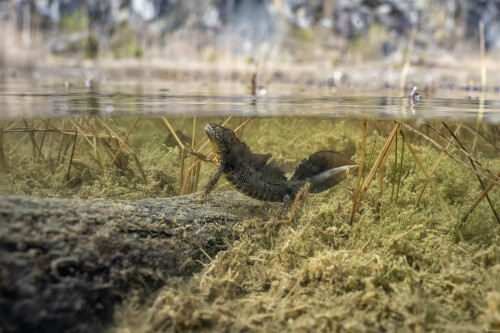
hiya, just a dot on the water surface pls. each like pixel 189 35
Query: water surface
pixel 34 99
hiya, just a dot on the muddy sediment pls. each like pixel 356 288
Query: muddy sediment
pixel 64 263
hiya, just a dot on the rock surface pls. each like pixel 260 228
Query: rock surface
pixel 64 263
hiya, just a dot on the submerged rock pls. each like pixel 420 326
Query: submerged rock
pixel 64 263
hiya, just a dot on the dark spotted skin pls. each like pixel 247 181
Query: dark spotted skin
pixel 250 173
pixel 247 172
pixel 251 183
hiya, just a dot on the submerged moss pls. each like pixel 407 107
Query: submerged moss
pixel 398 267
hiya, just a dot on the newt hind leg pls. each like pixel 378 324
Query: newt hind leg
pixel 288 206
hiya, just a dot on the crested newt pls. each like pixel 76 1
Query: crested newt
pixel 252 175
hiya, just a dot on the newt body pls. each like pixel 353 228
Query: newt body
pixel 250 173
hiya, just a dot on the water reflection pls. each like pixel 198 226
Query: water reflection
pixel 173 98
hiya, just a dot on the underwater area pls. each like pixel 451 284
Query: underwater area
pixel 138 139
pixel 398 245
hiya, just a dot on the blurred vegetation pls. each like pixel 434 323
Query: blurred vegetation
pixel 74 22
pixel 91 47
pixel 368 30
pixel 125 44
pixel 370 44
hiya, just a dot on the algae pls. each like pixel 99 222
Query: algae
pixel 397 267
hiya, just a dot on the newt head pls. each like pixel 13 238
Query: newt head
pixel 222 139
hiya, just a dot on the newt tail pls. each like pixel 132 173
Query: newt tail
pixel 252 175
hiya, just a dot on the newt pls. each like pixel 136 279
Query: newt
pixel 252 175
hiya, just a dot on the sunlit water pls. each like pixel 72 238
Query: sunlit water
pixel 34 99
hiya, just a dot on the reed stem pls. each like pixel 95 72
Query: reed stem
pixel 360 172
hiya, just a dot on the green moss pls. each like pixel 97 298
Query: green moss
pixel 397 267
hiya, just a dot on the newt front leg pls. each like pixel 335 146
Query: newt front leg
pixel 215 178
pixel 202 157
pixel 212 182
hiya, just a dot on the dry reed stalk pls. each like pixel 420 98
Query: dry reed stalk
pixel 197 177
pixel 68 133
pixel 73 128
pixel 478 200
pixel 71 158
pixel 82 135
pixel 43 138
pixel 183 152
pixel 481 134
pixel 18 142
pixel 36 149
pixel 125 139
pixel 98 153
pixel 108 130
pixel 370 159
pixel 189 177
pixel 434 188
pixel 373 171
pixel 495 132
pixel 165 120
pixel 399 172
pixel 80 126
pixel 462 163
pixel 134 155
pixel 65 151
pixel 191 167
pixel 95 145
pixel 435 166
pixel 394 172
pixel 406 66
pixel 381 170
pixel 479 179
pixel 4 165
pixel 478 125
pixel 301 196
pixel 9 124
pixel 360 172
pixel 192 176
pixel 380 181
pixel 36 130
pixel 63 122
pixel 91 123
pixel 49 153
pixel 243 124
pixel 80 146
pixel 80 139
pixel 181 176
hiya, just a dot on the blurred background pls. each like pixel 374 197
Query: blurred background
pixel 233 35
